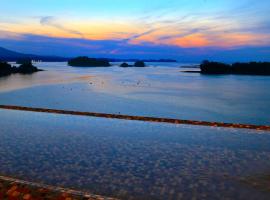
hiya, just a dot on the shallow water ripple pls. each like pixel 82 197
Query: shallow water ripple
pixel 134 160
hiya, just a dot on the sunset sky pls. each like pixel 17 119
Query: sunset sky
pixel 181 29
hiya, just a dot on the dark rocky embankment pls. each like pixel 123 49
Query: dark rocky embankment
pixel 88 62
pixel 26 68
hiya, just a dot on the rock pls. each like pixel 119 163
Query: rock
pixel 27 197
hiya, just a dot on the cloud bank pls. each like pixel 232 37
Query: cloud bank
pixel 70 47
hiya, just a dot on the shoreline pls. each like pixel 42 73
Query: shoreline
pixel 26 190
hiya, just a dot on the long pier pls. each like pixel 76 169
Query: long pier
pixel 138 118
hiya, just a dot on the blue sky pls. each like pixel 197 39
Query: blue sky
pixel 181 29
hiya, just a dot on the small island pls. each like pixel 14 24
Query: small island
pixel 125 65
pixel 88 62
pixel 251 68
pixel 136 64
pixel 26 68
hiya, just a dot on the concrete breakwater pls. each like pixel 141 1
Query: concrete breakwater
pixel 138 118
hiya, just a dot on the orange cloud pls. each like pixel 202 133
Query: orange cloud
pixel 110 30
pixel 194 40
pixel 240 39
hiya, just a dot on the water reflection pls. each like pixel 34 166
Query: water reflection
pixel 159 91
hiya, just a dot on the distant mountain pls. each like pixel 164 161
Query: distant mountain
pixel 8 55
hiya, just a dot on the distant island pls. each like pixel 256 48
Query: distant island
pixel 84 61
pixel 26 68
pixel 88 62
pixel 251 68
pixel 144 60
pixel 136 64
pixel 13 56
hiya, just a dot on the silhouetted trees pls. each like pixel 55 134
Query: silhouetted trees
pixel 5 69
pixel 139 64
pixel 136 64
pixel 252 68
pixel 214 68
pixel 88 62
pixel 27 68
pixel 256 68
pixel 24 61
pixel 124 65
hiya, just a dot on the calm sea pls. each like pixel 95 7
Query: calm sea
pixel 160 90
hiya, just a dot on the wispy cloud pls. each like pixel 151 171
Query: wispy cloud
pixel 6 20
pixel 53 22
pixel 181 35
pixel 136 36
pixel 182 23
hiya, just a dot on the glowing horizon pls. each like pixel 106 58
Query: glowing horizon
pixel 224 24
